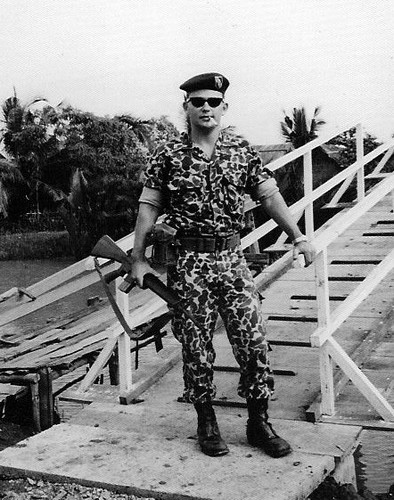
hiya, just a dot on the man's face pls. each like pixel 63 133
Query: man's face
pixel 205 117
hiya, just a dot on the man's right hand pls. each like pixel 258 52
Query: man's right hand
pixel 139 268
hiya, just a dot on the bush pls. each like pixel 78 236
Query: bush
pixel 30 223
pixel 39 245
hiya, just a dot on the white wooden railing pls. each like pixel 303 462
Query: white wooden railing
pixel 82 274
pixel 328 323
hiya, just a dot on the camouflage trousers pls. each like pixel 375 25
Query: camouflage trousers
pixel 213 284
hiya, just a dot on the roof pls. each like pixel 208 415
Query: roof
pixel 271 152
pixel 333 151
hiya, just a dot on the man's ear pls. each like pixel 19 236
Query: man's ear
pixel 225 107
pixel 184 105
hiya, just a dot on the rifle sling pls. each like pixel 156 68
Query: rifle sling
pixel 114 305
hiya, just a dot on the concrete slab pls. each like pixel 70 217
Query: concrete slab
pixel 170 469
pixel 151 450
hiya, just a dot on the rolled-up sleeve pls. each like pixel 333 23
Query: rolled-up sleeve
pixel 265 189
pixel 262 183
pixel 151 197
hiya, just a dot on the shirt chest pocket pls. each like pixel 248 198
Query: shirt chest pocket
pixel 234 183
pixel 186 190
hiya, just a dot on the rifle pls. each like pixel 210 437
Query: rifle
pixel 108 249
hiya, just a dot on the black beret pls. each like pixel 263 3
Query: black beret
pixel 209 81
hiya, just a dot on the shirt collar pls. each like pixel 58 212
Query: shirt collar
pixel 186 141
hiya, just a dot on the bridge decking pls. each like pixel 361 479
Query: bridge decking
pixel 144 447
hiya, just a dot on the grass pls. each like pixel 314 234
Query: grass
pixel 37 245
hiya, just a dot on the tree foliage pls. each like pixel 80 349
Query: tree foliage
pixel 87 167
pixel 346 143
pixel 298 130
pixel 11 182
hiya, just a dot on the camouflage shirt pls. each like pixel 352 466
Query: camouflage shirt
pixel 207 195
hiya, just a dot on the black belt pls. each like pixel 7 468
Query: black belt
pixel 209 243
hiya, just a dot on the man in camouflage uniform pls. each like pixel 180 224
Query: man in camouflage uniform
pixel 200 182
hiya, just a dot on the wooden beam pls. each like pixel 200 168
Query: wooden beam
pixel 363 384
pixel 46 402
pixel 377 170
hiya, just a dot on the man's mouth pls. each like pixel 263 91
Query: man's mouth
pixel 208 118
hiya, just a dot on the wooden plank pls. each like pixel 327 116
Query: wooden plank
pixel 50 296
pixel 79 337
pixel 7 390
pixel 298 307
pixel 49 354
pixel 47 298
pixel 378 425
pixel 53 339
pixel 62 322
pixel 80 267
pixel 290 397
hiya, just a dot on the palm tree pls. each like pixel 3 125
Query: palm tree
pixel 10 175
pixel 21 141
pixel 296 129
pixel 141 128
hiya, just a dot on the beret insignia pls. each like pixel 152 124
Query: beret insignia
pixel 219 81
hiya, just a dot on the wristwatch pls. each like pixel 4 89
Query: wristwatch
pixel 300 239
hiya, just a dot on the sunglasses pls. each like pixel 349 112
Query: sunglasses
pixel 198 102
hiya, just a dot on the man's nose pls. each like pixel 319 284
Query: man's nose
pixel 206 106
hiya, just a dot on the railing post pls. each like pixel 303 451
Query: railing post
pixel 308 188
pixel 322 289
pixel 323 321
pixel 360 161
pixel 326 381
pixel 125 376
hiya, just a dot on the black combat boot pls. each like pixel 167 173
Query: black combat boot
pixel 260 432
pixel 208 432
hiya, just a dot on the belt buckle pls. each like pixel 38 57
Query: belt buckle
pixel 221 243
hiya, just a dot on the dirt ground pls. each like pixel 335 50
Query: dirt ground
pixel 30 489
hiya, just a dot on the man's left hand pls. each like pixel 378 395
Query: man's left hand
pixel 307 250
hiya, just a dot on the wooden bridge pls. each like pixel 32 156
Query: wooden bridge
pixel 324 323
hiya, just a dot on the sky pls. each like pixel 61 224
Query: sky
pixel 130 56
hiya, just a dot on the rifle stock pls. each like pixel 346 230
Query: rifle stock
pixel 108 249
